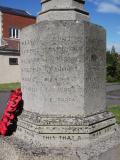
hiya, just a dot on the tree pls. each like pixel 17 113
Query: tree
pixel 113 51
pixel 118 71
pixel 113 66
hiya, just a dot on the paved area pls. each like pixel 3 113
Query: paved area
pixel 111 87
pixel 113 96
pixel 3 101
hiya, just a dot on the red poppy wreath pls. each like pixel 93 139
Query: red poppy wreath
pixel 10 111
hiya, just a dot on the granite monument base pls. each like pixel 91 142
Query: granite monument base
pixel 106 148
pixel 39 137
pixel 48 129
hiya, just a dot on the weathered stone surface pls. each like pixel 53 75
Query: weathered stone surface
pixel 56 131
pixel 63 83
pixel 94 68
pixel 104 148
pixel 63 120
pixel 64 15
pixel 62 10
pixel 61 4
pixel 63 68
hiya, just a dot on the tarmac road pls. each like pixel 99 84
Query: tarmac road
pixel 3 101
pixel 113 96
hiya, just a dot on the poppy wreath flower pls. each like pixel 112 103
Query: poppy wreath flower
pixel 9 113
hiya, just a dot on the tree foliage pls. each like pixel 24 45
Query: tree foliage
pixel 113 66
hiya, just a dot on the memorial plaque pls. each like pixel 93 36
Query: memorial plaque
pixel 53 68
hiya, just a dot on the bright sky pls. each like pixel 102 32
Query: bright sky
pixel 102 12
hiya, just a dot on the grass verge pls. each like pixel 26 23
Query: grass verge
pixel 115 109
pixel 9 86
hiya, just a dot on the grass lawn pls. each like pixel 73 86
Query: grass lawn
pixel 115 109
pixel 9 86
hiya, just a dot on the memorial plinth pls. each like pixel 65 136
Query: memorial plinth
pixel 63 10
pixel 63 68
pixel 63 83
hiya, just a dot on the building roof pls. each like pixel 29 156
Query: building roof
pixel 5 51
pixel 16 12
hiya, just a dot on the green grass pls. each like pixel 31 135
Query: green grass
pixel 9 86
pixel 115 109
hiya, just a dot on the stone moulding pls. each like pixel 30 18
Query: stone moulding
pixel 72 120
pixel 80 1
pixel 45 1
pixel 20 150
pixel 66 9
pixel 87 127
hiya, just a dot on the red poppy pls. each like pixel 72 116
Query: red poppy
pixel 8 116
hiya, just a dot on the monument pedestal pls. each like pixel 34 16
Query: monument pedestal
pixel 43 137
pixel 63 83
pixel 103 147
pixel 59 131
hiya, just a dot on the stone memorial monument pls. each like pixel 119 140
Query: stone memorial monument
pixel 63 83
